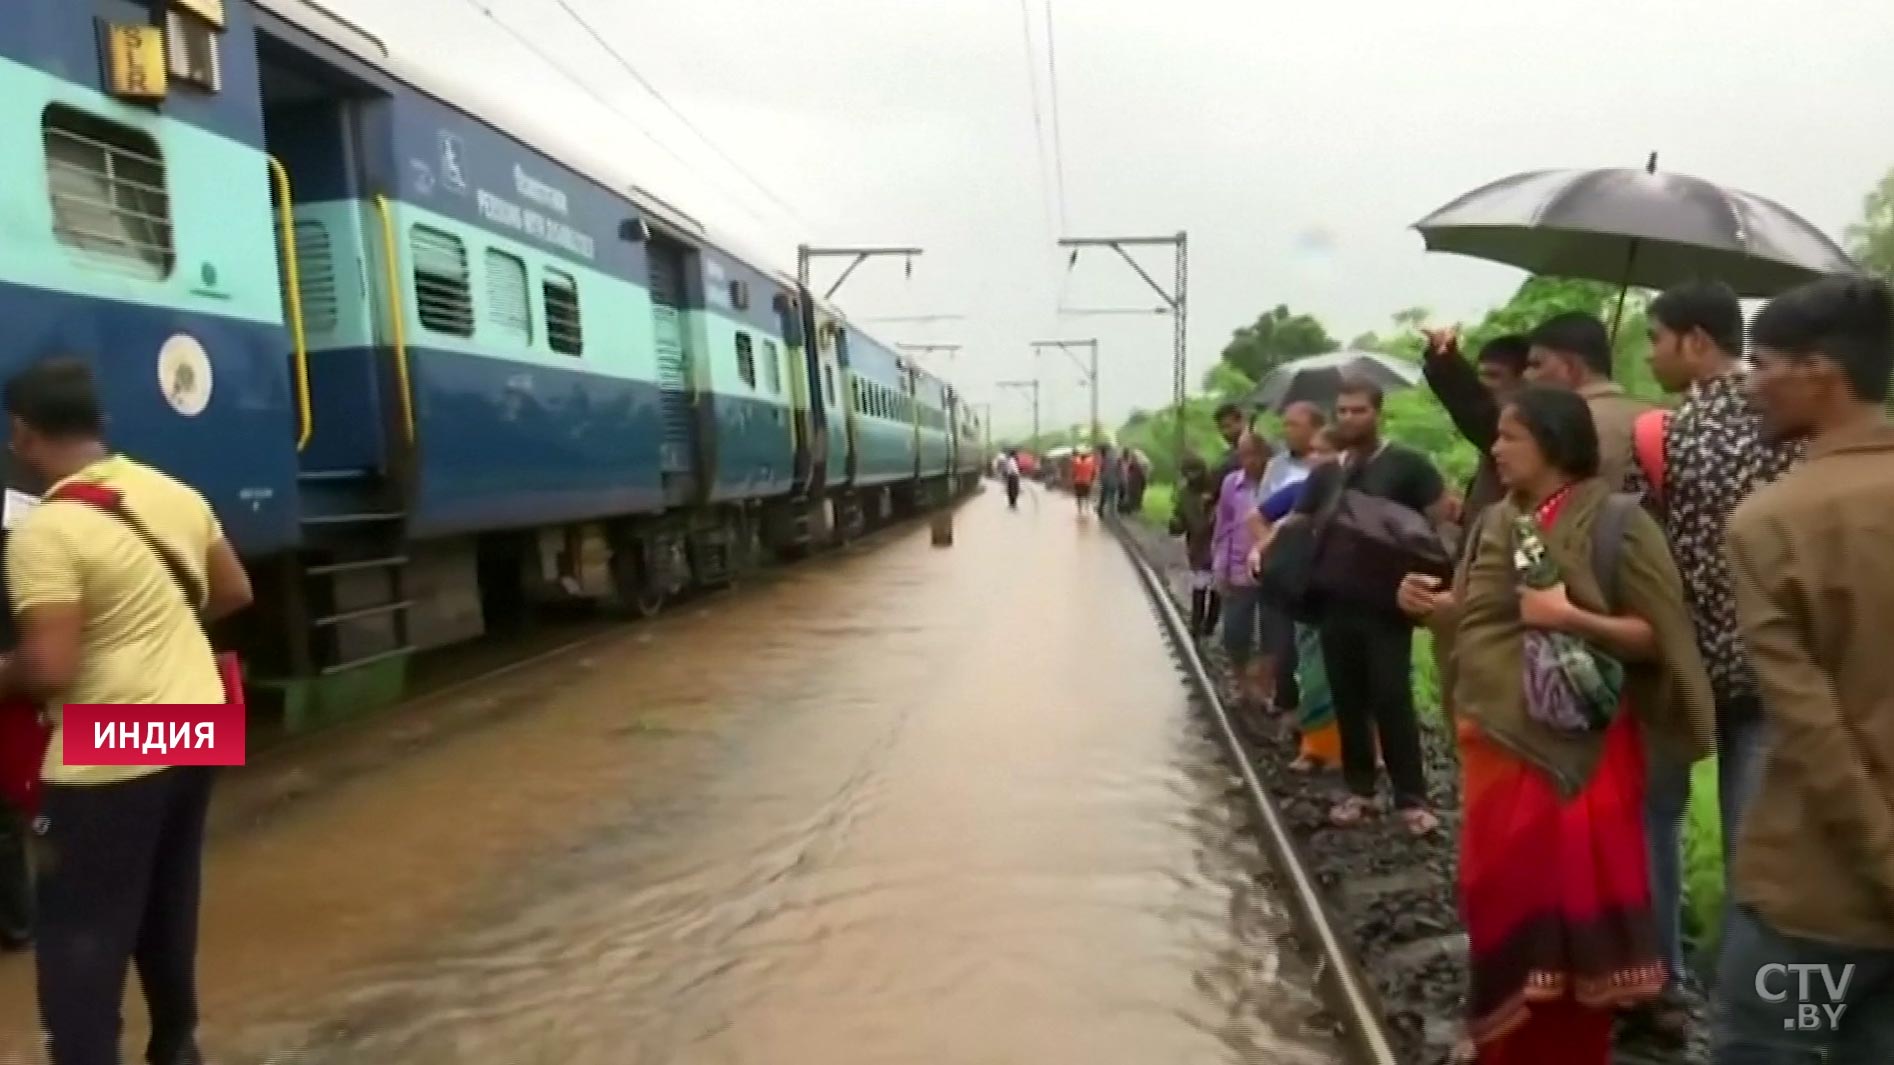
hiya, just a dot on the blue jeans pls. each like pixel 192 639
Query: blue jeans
pixel 1241 606
pixel 1798 1028
pixel 1739 745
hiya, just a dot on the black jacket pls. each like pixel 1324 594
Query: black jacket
pixel 1475 414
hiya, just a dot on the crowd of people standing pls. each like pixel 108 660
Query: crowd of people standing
pixel 1619 591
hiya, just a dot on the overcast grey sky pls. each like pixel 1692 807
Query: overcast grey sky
pixel 1295 143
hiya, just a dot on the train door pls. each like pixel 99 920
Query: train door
pixel 837 378
pixel 950 420
pixel 325 218
pixel 670 303
pixel 344 594
pixel 802 418
pixel 813 330
pixel 910 387
pixel 829 390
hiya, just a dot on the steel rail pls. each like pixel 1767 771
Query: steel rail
pixel 1360 1007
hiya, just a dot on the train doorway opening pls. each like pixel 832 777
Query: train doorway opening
pixel 345 595
pixel 312 114
pixel 668 266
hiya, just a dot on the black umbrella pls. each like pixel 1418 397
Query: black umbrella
pixel 1318 378
pixel 1635 227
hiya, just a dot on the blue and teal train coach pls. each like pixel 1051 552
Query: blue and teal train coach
pixel 429 367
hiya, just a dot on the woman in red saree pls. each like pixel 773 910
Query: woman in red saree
pixel 1554 882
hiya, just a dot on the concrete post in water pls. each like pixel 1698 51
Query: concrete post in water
pixel 944 527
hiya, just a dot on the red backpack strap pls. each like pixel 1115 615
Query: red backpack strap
pixel 91 493
pixel 1647 445
pixel 111 501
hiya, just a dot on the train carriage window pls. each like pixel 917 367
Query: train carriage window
pixel 565 330
pixel 442 287
pixel 772 368
pixel 106 183
pixel 746 360
pixel 509 307
pixel 828 382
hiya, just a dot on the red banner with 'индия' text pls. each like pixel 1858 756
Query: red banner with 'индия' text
pixel 146 734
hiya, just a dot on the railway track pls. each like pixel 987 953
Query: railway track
pixel 1352 999
pixel 1380 909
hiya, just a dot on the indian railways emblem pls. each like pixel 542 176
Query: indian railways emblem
pixel 184 375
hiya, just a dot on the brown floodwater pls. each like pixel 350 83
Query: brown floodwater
pixel 911 805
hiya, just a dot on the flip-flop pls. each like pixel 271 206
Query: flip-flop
pixel 1350 812
pixel 1419 822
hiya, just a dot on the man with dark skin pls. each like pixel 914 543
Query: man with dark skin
pixel 1368 652
pixel 104 618
pixel 1232 422
pixel 1473 395
pixel 1809 557
pixel 1711 455
pixel 1573 351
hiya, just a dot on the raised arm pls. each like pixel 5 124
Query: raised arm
pixel 1456 384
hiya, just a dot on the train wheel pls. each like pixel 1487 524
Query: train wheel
pixel 631 579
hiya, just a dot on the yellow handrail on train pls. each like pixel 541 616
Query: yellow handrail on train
pixel 286 212
pixel 395 313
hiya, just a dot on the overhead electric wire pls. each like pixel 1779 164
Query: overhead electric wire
pixel 1058 136
pixel 527 42
pixel 1038 116
pixel 679 115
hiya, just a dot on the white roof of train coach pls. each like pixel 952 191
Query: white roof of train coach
pixel 476 102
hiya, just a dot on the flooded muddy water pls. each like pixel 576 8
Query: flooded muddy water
pixel 912 805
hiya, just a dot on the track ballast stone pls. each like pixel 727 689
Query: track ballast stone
pixel 1391 893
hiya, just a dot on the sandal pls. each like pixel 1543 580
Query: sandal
pixel 1350 812
pixel 1419 821
pixel 1667 1019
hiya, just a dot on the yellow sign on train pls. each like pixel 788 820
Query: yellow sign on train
pixel 134 57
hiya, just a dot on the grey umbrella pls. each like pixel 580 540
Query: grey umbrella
pixel 1635 227
pixel 1317 378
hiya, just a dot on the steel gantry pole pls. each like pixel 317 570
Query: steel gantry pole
pixel 806 254
pixel 1090 371
pixel 1034 386
pixel 1174 298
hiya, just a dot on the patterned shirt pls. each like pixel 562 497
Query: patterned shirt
pixel 1715 455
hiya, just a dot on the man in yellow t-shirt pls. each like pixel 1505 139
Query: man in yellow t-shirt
pixel 103 620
